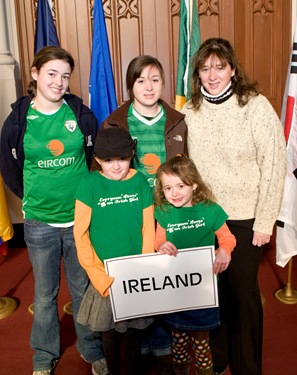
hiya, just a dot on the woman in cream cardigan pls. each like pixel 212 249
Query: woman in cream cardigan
pixel 236 141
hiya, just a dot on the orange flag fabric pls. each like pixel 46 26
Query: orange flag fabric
pixel 6 228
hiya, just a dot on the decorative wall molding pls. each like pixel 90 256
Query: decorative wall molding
pixel 263 6
pixel 208 7
pixel 137 27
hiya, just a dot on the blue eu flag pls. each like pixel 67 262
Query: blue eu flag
pixel 101 85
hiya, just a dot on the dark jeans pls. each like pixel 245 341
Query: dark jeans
pixel 238 341
pixel 156 338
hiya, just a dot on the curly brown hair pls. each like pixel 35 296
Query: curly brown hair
pixel 183 167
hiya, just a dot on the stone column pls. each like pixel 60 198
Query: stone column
pixel 5 54
pixel 9 82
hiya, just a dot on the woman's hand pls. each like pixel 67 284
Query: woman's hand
pixel 167 248
pixel 260 239
pixel 221 262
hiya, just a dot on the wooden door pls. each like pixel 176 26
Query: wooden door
pixel 260 31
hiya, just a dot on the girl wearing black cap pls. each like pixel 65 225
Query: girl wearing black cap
pixel 161 133
pixel 101 225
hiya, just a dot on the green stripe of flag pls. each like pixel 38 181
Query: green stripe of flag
pixel 189 42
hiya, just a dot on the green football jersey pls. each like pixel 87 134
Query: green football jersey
pixel 54 164
pixel 150 150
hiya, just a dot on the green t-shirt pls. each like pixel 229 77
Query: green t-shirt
pixel 150 149
pixel 194 226
pixel 54 163
pixel 117 213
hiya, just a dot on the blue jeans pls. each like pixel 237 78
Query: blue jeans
pixel 46 245
pixel 156 339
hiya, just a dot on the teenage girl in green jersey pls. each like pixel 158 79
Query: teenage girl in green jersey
pixel 46 149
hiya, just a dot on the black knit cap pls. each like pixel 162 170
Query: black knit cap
pixel 114 142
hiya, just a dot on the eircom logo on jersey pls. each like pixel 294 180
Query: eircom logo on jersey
pixel 56 148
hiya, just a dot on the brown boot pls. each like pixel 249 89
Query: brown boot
pixel 181 368
pixel 164 365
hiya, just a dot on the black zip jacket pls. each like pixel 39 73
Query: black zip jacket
pixel 12 138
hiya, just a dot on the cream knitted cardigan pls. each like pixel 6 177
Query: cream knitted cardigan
pixel 241 153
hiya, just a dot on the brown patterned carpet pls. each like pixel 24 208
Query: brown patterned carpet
pixel 16 280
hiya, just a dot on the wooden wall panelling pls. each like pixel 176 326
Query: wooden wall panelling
pixel 262 43
pixel 266 18
pixel 141 27
pixel 73 24
pixel 163 35
pixel 130 38
pixel 75 34
pixel 260 31
pixel 209 18
pixel 174 15
pixel 216 19
pixel 162 42
pixel 226 22
pixel 25 27
pixel 110 13
pixel 284 48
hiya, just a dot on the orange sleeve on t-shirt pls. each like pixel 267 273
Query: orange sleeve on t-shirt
pixel 87 256
pixel 148 230
pixel 226 239
pixel 160 236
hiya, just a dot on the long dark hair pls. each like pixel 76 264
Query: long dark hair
pixel 42 57
pixel 223 50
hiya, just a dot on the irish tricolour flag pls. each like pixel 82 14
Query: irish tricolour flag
pixel 189 42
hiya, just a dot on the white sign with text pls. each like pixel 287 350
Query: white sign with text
pixel 153 284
